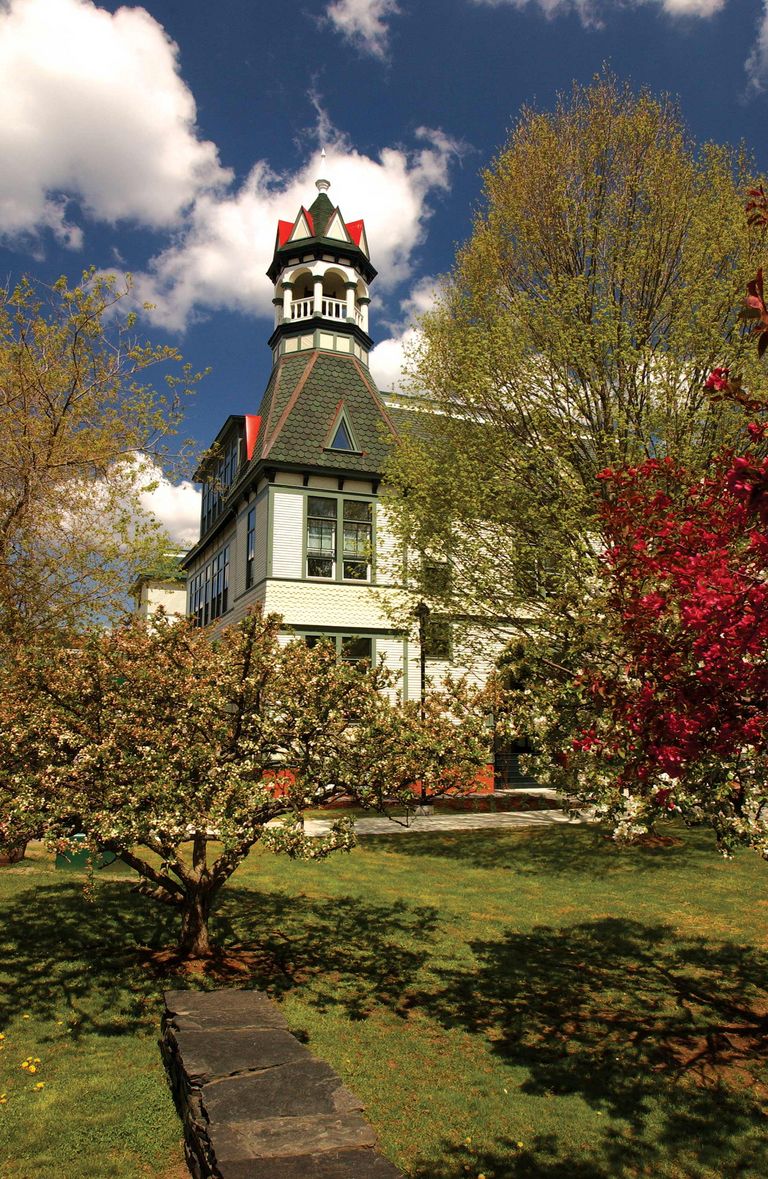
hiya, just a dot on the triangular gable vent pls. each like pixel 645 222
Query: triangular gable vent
pixel 341 436
pixel 336 229
pixel 302 228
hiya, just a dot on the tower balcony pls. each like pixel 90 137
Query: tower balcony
pixel 329 309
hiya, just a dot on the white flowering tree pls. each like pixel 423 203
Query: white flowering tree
pixel 175 750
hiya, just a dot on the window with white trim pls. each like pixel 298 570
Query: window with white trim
pixel 250 546
pixel 209 589
pixel 349 648
pixel 330 531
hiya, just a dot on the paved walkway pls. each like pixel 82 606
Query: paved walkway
pixel 427 824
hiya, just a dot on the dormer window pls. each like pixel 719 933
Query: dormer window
pixel 341 436
pixel 341 439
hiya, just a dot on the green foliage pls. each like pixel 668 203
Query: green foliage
pixel 160 742
pixel 599 288
pixel 78 424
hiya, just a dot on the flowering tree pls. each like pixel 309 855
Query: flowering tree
pixel 175 751
pixel 668 710
pixel 77 410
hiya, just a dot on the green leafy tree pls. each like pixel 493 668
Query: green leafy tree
pixel 599 288
pixel 175 750
pixel 78 422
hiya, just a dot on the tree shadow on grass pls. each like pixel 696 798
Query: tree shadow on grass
pixel 536 851
pixel 346 952
pixel 614 1155
pixel 62 956
pixel 666 1034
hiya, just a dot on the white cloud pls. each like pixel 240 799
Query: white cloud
pixel 95 115
pixel 92 106
pixel 757 62
pixel 593 13
pixel 176 506
pixel 220 259
pixel 364 23
pixel 388 358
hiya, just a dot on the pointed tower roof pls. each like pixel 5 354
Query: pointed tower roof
pixel 307 397
pixel 317 230
pixel 321 211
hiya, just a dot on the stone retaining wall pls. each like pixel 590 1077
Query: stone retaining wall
pixel 256 1103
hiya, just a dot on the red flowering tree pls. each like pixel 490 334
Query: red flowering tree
pixel 175 751
pixel 668 712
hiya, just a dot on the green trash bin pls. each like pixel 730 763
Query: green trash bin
pixel 80 861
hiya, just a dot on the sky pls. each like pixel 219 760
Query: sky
pixel 166 140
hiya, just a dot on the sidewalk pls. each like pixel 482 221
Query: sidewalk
pixel 426 825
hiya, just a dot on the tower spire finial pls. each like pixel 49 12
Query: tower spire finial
pixel 322 185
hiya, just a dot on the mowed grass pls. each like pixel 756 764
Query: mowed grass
pixel 535 1003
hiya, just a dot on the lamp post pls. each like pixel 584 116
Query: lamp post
pixel 422 613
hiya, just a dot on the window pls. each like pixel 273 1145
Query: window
pixel 323 537
pixel 349 648
pixel 357 540
pixel 222 475
pixel 437 639
pixel 356 647
pixel 341 439
pixel 436 577
pixel 209 589
pixel 250 547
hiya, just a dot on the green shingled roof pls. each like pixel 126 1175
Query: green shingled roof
pixel 302 403
pixel 321 211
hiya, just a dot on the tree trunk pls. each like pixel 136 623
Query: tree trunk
pixel 194 941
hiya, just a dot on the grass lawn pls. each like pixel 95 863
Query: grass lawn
pixel 507 1004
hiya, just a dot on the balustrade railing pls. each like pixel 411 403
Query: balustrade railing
pixel 330 309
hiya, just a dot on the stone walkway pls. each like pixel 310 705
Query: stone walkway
pixel 428 824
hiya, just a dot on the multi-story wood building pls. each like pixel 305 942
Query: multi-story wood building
pixel 291 515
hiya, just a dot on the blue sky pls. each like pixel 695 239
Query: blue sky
pixel 166 140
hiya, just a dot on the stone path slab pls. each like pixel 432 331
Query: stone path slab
pixel 256 1103
pixel 426 824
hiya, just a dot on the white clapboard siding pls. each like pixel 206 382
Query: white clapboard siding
pixel 262 540
pixel 390 651
pixel 388 563
pixel 288 522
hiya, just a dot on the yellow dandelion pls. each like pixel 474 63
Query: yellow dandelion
pixel 3 1098
pixel 32 1068
pixel 25 1064
pixel 36 1059
pixel 2 1035
pixel 25 1017
pixel 39 1085
pixel 519 1145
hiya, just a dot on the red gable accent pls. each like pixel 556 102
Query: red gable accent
pixel 252 427
pixel 283 231
pixel 355 230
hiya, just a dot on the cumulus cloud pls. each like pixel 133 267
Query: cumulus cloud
pixel 175 506
pixel 220 259
pixel 388 358
pixel 757 62
pixel 92 106
pixel 593 13
pixel 95 116
pixel 364 23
